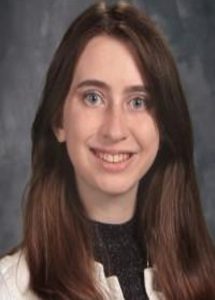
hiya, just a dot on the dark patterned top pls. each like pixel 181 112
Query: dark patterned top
pixel 118 249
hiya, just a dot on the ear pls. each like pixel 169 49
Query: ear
pixel 59 132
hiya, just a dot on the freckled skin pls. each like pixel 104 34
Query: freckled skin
pixel 111 123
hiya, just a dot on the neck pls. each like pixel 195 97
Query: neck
pixel 108 208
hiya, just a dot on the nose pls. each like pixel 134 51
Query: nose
pixel 114 126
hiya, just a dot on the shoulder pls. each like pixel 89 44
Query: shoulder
pixel 14 278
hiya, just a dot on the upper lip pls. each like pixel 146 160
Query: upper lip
pixel 112 151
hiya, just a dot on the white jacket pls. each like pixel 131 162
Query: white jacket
pixel 14 281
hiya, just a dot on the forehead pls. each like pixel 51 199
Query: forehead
pixel 108 58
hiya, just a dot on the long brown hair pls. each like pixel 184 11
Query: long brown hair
pixel 170 221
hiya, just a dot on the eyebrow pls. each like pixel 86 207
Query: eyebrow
pixel 101 84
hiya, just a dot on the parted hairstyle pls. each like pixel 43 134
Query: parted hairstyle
pixel 57 240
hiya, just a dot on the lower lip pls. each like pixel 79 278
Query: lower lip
pixel 114 167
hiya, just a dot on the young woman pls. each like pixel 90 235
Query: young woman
pixel 113 190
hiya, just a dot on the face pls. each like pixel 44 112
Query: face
pixel 110 133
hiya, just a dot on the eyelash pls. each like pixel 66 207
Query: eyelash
pixel 143 101
pixel 87 97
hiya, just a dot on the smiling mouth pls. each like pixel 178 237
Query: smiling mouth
pixel 114 158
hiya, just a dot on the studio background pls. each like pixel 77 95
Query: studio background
pixel 29 34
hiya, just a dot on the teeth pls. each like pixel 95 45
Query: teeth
pixel 113 158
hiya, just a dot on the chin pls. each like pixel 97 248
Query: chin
pixel 116 189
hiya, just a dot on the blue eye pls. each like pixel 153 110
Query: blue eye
pixel 93 99
pixel 138 103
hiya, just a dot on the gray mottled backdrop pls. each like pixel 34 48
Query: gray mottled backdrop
pixel 29 33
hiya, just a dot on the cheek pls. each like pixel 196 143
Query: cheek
pixel 148 133
pixel 154 136
pixel 79 126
